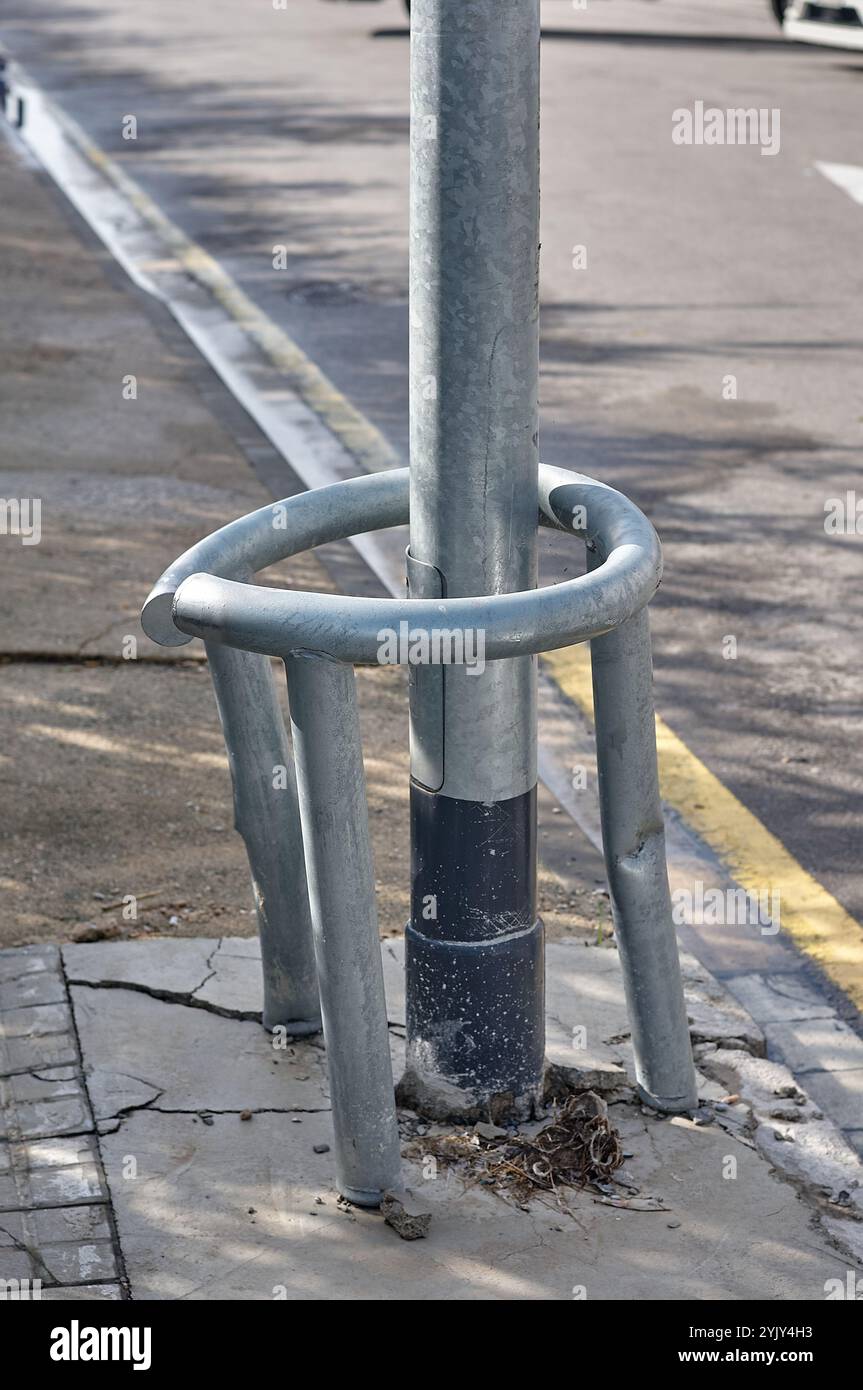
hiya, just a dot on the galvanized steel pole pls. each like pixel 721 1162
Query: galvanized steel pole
pixel 474 946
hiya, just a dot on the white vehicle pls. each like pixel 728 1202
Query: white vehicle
pixel 838 26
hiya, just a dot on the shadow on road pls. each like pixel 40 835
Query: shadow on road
pixel 644 39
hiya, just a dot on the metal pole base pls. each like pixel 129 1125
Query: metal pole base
pixel 474 960
pixel 504 1039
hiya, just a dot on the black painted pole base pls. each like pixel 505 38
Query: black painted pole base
pixel 474 960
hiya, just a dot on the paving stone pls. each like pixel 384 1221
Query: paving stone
pixel 37 987
pixel 818 1045
pixel 778 998
pixel 19 961
pixel 77 1262
pixel 89 1293
pixel 53 1102
pixel 39 1022
pixel 59 1225
pixel 840 1094
pixel 43 1118
pixel 169 966
pixel 11 1229
pixel 185 1214
pixel 58 1171
pixel 199 1056
pixel 67 1244
pixel 77 1183
pixel 54 1153
pixel 14 1263
pixel 849 1235
pixel 49 1084
pixel 37 1053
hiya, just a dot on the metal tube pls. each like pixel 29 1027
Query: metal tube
pixel 266 814
pixel 331 783
pixel 206 592
pixel 633 837
pixel 474 954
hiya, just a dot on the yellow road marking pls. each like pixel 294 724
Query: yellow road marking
pixel 358 435
pixel 754 857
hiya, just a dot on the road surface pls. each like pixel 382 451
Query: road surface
pixel 260 128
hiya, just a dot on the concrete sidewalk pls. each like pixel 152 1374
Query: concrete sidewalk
pixel 119 784
pixel 128 1064
pixel 182 1155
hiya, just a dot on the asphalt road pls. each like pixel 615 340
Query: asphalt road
pixel 258 128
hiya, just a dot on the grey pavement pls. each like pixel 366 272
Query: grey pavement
pixel 98 739
pixel 56 1224
pixel 197 1164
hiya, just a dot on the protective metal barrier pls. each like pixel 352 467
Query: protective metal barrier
pixel 307 838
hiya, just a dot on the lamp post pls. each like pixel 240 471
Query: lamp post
pixel 475 1008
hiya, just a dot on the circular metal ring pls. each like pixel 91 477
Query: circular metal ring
pixel 207 593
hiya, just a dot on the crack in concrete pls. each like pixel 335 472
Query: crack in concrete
pixel 32 1253
pixel 260 1110
pixel 167 996
pixel 81 658
pixel 118 1120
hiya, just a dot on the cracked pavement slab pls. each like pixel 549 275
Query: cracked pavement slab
pixel 208 1137
pixel 203 1060
pixel 188 1232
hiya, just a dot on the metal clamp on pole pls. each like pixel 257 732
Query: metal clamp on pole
pixel 208 594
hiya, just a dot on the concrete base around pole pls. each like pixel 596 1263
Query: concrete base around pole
pixel 235 1196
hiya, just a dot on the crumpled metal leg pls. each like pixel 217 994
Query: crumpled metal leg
pixel 267 816
pixel 633 836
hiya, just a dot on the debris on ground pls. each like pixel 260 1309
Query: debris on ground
pixel 93 931
pixel 490 1131
pixel 578 1148
pixel 633 1203
pixel 407 1218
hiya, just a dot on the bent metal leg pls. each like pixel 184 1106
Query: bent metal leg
pixel 334 815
